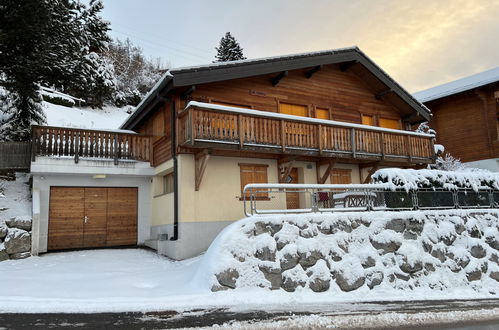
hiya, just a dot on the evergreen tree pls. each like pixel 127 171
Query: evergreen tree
pixel 229 49
pixel 52 42
pixel 23 61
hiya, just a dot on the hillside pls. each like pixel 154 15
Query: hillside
pixel 109 117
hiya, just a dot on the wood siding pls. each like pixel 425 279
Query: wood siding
pixel 466 125
pixel 82 217
pixel 344 92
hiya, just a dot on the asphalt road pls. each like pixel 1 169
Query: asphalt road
pixel 205 318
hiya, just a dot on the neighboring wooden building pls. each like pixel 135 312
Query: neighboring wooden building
pixel 465 117
pixel 323 117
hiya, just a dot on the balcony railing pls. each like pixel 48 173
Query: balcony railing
pixel 201 124
pixel 92 144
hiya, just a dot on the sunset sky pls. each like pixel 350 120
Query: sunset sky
pixel 420 43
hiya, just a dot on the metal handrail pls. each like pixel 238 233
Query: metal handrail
pixel 369 197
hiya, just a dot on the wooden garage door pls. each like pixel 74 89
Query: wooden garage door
pixel 92 217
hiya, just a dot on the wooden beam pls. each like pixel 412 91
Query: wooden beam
pixel 185 95
pixel 278 78
pixel 311 72
pixel 371 172
pixel 321 179
pixel 379 95
pixel 347 65
pixel 200 162
pixel 285 168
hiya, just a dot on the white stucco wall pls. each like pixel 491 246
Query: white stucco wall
pixel 82 175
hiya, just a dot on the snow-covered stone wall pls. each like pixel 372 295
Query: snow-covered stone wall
pixel 15 238
pixel 343 252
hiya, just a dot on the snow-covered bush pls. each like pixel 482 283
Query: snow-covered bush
pixel 449 163
pixel 410 179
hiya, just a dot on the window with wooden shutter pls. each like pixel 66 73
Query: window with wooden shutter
pixel 389 123
pixel 341 176
pixel 253 173
pixel 367 120
pixel 321 113
pixel 293 109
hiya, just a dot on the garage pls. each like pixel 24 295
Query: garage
pixel 92 217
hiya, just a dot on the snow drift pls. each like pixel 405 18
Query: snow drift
pixel 424 251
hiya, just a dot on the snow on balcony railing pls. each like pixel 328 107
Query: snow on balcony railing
pixel 210 123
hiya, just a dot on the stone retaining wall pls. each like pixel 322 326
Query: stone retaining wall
pixel 15 238
pixel 349 251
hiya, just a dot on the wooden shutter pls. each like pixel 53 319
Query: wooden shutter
pixel 253 173
pixel 321 113
pixel 389 123
pixel 293 109
pixel 367 120
pixel 341 176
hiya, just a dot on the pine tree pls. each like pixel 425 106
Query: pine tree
pixel 23 61
pixel 229 49
pixel 55 43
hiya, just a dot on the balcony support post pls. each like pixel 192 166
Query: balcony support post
pixel 241 132
pixel 200 162
pixel 284 168
pixel 371 172
pixel 321 179
pixel 352 136
pixel 283 135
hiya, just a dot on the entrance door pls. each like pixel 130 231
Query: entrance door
pixel 92 217
pixel 293 197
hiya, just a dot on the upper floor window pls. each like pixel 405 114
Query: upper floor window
pixel 321 113
pixel 367 120
pixel 293 109
pixel 389 123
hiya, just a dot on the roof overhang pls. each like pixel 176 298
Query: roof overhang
pixel 360 64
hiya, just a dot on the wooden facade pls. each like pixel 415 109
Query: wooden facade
pixel 466 123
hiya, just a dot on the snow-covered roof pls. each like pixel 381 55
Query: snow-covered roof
pixel 193 75
pixel 458 86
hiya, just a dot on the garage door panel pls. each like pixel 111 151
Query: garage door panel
pixel 122 216
pixel 95 229
pixel 92 217
pixel 66 214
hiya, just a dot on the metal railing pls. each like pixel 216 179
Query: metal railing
pixel 306 198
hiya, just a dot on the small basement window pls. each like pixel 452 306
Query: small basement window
pixel 253 173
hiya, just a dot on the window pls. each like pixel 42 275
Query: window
pixel 341 176
pixel 293 109
pixel 253 173
pixel 367 120
pixel 321 113
pixel 389 123
pixel 163 185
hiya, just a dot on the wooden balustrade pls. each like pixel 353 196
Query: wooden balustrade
pixel 208 125
pixel 80 143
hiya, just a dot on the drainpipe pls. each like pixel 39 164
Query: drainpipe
pixel 173 131
pixel 175 172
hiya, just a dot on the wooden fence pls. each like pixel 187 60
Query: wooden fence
pixel 15 155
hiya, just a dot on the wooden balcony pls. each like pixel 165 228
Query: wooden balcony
pixel 89 144
pixel 204 125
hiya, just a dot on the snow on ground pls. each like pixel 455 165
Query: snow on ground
pixel 15 197
pixel 370 321
pixel 107 118
pixel 116 280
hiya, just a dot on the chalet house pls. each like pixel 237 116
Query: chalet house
pixel 465 117
pixel 173 176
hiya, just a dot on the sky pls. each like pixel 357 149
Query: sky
pixel 420 43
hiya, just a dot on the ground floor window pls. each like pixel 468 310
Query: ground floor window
pixel 253 173
pixel 341 176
